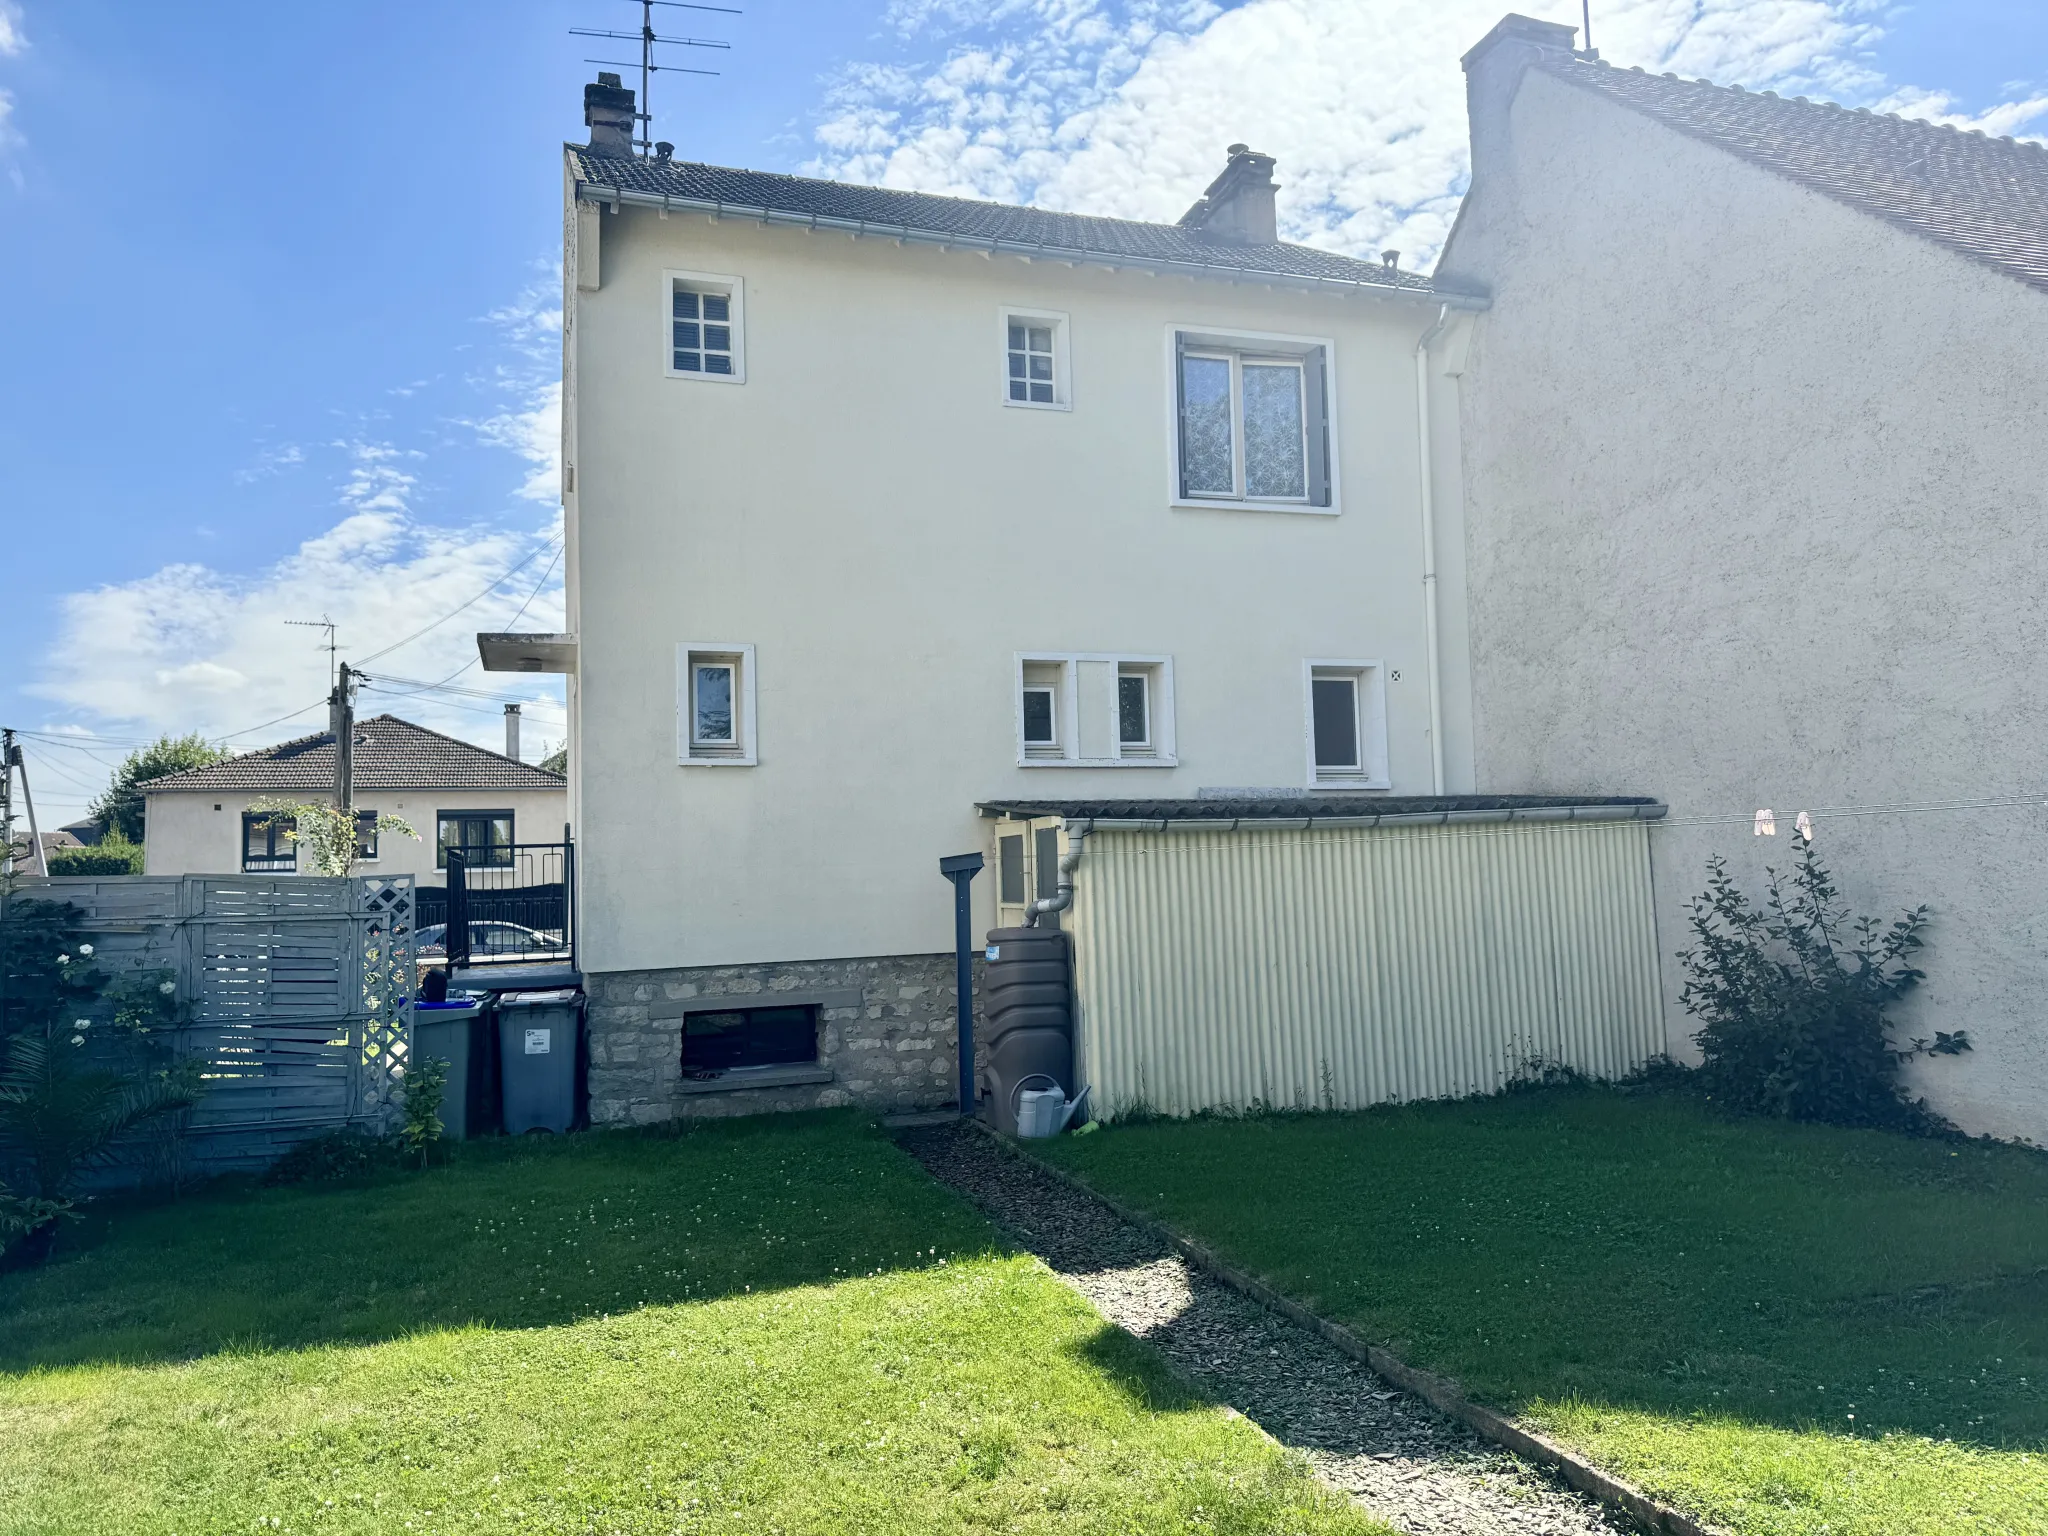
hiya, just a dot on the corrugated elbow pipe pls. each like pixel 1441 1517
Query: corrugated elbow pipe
pixel 1064 897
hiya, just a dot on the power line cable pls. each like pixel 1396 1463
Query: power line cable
pixel 487 591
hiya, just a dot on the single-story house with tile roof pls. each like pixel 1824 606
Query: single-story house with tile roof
pixel 1754 506
pixel 206 821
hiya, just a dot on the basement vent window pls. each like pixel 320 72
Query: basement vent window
pixel 704 321
pixel 715 704
pixel 749 1037
pixel 1347 732
pixel 1078 709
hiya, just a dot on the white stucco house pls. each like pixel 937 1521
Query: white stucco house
pixel 903 526
pixel 208 821
pixel 1753 504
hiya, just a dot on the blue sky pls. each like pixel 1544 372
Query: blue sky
pixel 283 312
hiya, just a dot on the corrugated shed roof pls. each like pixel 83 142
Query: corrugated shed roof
pixel 1983 197
pixel 390 754
pixel 1058 234
pixel 1322 807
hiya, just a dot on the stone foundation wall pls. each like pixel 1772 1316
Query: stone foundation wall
pixel 894 1051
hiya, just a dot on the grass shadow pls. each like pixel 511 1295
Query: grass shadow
pixel 509 1234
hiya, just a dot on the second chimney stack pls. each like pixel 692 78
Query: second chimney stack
pixel 608 113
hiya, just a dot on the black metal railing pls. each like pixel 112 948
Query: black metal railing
pixel 521 907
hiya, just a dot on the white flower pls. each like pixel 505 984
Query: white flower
pixel 167 987
pixel 78 1039
pixel 85 949
pixel 63 959
pixel 81 1023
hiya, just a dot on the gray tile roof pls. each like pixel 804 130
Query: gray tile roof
pixel 1983 197
pixel 1334 807
pixel 390 754
pixel 963 221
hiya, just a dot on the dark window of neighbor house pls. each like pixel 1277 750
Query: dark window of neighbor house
pixel 366 834
pixel 750 1037
pixel 485 838
pixel 267 846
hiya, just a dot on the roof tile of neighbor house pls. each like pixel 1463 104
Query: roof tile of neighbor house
pixel 1986 198
pixel 1220 808
pixel 390 754
pixel 1080 236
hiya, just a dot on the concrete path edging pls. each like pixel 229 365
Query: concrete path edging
pixel 1441 1393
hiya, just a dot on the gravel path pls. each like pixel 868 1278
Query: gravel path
pixel 1397 1456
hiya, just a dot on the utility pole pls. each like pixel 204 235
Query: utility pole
pixel 35 833
pixel 6 804
pixel 341 720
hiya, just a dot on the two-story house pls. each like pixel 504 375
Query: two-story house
pixel 889 513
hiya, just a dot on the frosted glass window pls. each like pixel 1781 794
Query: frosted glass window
pixel 1275 451
pixel 711 708
pixel 1031 360
pixel 700 331
pixel 1208 456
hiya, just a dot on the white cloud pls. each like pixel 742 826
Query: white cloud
pixel 1124 107
pixel 12 39
pixel 535 434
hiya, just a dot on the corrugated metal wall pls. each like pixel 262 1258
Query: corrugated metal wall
pixel 1351 966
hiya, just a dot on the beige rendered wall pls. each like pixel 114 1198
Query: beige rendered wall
pixel 1756 514
pixel 867 513
pixel 201 833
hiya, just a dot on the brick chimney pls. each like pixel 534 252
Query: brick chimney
pixel 608 112
pixel 1238 207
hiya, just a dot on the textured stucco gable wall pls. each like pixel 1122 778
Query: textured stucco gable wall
pixel 1753 516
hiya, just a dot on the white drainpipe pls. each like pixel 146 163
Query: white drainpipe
pixel 1436 692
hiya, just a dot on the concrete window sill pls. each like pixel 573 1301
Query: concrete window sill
pixel 741 1078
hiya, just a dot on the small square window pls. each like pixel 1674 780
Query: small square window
pixel 1034 358
pixel 715 704
pixel 1346 726
pixel 704 327
pixel 1039 730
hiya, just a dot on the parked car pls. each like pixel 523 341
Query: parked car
pixel 491 940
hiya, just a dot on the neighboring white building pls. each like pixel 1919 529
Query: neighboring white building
pixel 1755 504
pixel 888 513
pixel 207 821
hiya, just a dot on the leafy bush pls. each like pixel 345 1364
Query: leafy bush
pixel 1793 998
pixel 112 855
pixel 426 1089
pixel 120 808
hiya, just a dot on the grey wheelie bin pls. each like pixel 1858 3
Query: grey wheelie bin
pixel 537 1049
pixel 446 1031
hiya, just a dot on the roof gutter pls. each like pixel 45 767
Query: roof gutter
pixel 598 192
pixel 1081 826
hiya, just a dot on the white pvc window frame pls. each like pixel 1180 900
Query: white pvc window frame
pixel 1158 752
pixel 741 750
pixel 1257 347
pixel 1369 700
pixel 1062 363
pixel 727 283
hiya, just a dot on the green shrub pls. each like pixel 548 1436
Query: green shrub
pixel 112 855
pixel 1793 998
pixel 334 1158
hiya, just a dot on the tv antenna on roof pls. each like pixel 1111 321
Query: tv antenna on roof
pixel 323 622
pixel 647 38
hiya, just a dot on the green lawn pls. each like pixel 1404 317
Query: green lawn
pixel 1787 1329
pixel 768 1326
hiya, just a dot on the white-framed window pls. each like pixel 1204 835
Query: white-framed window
pixel 715 704
pixel 704 319
pixel 1085 709
pixel 1036 374
pixel 1250 419
pixel 1346 724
